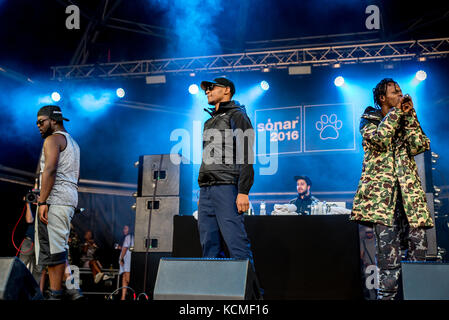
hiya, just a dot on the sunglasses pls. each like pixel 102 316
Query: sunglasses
pixel 41 122
pixel 212 86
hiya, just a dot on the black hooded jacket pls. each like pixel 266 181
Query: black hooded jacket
pixel 228 140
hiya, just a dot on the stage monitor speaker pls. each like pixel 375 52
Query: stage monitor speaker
pixel 17 282
pixel 205 279
pixel 425 280
pixel 160 238
pixel 172 172
pixel 140 260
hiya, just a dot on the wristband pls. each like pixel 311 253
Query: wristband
pixel 44 203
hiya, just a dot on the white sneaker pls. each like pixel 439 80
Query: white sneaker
pixel 98 277
pixel 107 277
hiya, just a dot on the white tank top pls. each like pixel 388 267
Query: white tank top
pixel 65 189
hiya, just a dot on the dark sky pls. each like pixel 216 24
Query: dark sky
pixel 33 35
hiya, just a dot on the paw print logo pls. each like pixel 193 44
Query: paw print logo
pixel 328 127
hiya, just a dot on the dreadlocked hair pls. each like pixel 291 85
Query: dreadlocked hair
pixel 381 90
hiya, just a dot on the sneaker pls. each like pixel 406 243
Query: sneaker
pixel 98 277
pixel 107 277
pixel 73 294
pixel 53 295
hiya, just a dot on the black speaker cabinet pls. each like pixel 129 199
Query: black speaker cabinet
pixel 172 172
pixel 425 280
pixel 16 281
pixel 205 279
pixel 157 213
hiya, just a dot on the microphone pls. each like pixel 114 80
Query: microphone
pixel 406 98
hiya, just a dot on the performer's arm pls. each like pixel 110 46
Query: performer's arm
pixel 51 152
pixel 246 159
pixel 244 143
pixel 417 141
pixel 380 136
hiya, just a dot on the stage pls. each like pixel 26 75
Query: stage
pixel 295 257
pixel 137 90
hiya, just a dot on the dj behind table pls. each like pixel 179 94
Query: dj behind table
pixel 306 204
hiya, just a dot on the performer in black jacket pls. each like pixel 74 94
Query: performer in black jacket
pixel 226 174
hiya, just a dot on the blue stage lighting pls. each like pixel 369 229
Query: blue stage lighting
pixel 264 85
pixel 55 96
pixel 120 93
pixel 421 75
pixel 193 89
pixel 339 81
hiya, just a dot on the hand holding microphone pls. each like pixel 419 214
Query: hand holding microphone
pixel 407 104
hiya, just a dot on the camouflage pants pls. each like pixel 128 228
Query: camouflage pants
pixel 389 241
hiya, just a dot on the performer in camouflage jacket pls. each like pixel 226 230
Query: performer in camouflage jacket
pixel 390 195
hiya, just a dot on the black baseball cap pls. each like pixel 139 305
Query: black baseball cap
pixel 305 178
pixel 220 81
pixel 53 112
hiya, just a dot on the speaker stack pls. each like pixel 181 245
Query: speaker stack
pixel 164 191
pixel 424 164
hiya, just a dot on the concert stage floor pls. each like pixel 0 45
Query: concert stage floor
pixel 296 257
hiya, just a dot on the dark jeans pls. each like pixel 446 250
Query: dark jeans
pixel 218 219
pixel 389 241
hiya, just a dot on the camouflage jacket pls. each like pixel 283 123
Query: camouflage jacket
pixel 390 144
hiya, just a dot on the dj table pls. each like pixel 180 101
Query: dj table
pixel 296 257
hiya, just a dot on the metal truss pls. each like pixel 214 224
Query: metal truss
pixel 256 61
pixel 25 178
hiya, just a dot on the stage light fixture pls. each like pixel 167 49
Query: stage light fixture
pixel 120 93
pixel 339 81
pixel 336 65
pixel 421 75
pixel 193 89
pixel 264 85
pixel 55 96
